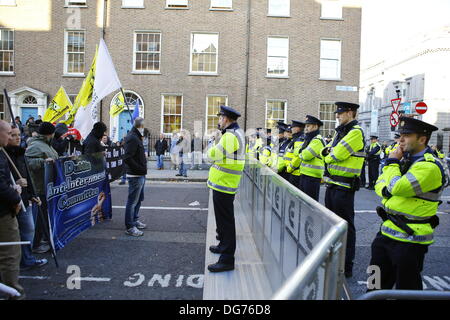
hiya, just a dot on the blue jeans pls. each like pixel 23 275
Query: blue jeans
pixel 135 197
pixel 26 229
pixel 183 168
pixel 160 161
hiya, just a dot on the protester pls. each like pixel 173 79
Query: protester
pixel 161 147
pixel 182 145
pixel 38 153
pixel 10 206
pixel 196 148
pixel 29 121
pixel 61 142
pixel 174 151
pixel 105 142
pixel 18 123
pixel 25 218
pixel 92 142
pixel 136 169
pixel 39 120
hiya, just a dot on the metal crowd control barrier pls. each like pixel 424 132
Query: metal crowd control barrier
pixel 301 243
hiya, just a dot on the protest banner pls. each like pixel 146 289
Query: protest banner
pixel 78 196
pixel 114 163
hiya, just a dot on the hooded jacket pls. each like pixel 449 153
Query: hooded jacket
pixel 92 142
pixel 8 196
pixel 39 149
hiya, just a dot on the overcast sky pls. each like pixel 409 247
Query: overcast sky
pixel 386 24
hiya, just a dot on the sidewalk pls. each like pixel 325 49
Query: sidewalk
pixel 169 175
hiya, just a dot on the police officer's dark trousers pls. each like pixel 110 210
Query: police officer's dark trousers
pixel 341 202
pixel 363 175
pixel 294 180
pixel 226 229
pixel 373 172
pixel 400 263
pixel 310 186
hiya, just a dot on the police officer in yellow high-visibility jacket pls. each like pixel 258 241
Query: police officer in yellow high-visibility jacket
pixel 293 150
pixel 344 158
pixel 265 152
pixel 392 147
pixel 281 164
pixel 373 159
pixel 276 145
pixel 410 192
pixel 228 157
pixel 309 159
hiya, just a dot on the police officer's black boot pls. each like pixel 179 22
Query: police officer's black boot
pixel 224 264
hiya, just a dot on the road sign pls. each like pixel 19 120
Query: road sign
pixel 394 119
pixel 407 107
pixel 421 107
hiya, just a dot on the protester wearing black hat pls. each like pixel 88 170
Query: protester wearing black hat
pixel 344 159
pixel 292 151
pixel 60 143
pixel 373 160
pixel 410 191
pixel 92 142
pixel 39 151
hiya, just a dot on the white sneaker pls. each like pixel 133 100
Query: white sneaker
pixel 140 225
pixel 134 232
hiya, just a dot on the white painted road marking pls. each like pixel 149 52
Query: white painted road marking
pixel 35 277
pixel 436 283
pixel 166 208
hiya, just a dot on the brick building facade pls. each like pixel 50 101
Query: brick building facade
pixel 270 59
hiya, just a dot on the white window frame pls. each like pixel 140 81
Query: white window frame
pixel 135 71
pixel 11 3
pixel 220 8
pixel 13 52
pixel 69 3
pixel 269 14
pixel 285 109
pixel 66 56
pixel 286 75
pixel 323 6
pixel 207 116
pixel 339 78
pixel 176 6
pixel 133 6
pixel 204 73
pixel 322 128
pixel 162 111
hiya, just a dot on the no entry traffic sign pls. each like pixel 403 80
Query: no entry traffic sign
pixel 421 107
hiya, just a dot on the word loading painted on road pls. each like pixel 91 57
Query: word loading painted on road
pixel 421 107
pixel 394 118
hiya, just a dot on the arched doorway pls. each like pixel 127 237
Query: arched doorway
pixel 121 124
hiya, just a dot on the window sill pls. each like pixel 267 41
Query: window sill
pixel 145 72
pixel 73 75
pixel 66 6
pixel 273 16
pixel 203 74
pixel 337 19
pixel 180 8
pixel 330 79
pixel 7 74
pixel 219 9
pixel 132 7
pixel 276 77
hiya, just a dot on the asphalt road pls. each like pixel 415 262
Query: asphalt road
pixel 168 261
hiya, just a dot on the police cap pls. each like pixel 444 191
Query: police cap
pixel 229 112
pixel 345 106
pixel 411 125
pixel 313 120
pixel 296 123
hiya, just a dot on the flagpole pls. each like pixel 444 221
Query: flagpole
pixel 128 108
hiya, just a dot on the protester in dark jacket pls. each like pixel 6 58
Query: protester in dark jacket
pixel 60 142
pixel 9 208
pixel 136 168
pixel 25 218
pixel 38 153
pixel 161 147
pixel 92 142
